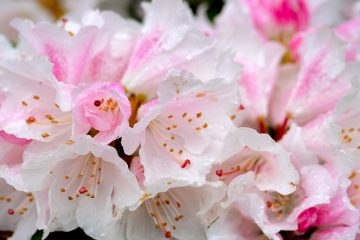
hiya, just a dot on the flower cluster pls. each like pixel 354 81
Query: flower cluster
pixel 178 128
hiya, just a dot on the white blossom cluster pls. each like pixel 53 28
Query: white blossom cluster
pixel 244 128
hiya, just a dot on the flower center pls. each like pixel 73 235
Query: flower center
pixel 86 181
pixel 164 209
pixel 279 204
pixel 108 105
pixel 17 202
pixel 253 163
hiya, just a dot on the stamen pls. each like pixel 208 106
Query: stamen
pixel 252 163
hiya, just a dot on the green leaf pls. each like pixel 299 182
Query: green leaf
pixel 37 235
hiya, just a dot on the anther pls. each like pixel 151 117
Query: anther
pixel 45 135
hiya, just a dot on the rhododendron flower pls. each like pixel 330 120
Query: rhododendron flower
pixel 273 211
pixel 182 132
pixel 178 127
pixel 172 41
pixel 89 51
pixel 286 86
pixel 17 208
pixel 29 110
pixel 21 9
pixel 248 151
pixel 17 212
pixel 335 220
pixel 175 213
pixel 282 19
pixel 107 110
pixel 322 70
pixel 103 107
pixel 84 184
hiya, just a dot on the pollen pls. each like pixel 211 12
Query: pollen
pixel 353 175
pixel 45 135
pixel 49 117
pixel 200 94
pixel 69 142
pixel 184 114
pixel 36 97
pixel 24 103
pixel 199 114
